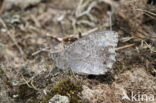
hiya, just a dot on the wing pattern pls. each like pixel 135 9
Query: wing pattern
pixel 92 54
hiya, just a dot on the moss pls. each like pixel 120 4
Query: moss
pixel 119 67
pixel 2 74
pixel 65 87
pixel 68 88
pixel 25 92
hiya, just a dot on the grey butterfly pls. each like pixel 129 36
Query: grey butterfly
pixel 92 54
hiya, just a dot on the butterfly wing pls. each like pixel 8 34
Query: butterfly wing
pixel 93 54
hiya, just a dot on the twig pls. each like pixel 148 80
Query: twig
pixel 41 50
pixel 27 82
pixel 125 46
pixel 32 84
pixel 150 47
pixel 61 39
pixel 90 31
pixel 86 22
pixel 149 12
pixel 12 38
pixel 79 10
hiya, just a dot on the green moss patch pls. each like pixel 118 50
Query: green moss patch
pixel 66 87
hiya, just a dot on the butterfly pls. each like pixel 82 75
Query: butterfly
pixel 91 54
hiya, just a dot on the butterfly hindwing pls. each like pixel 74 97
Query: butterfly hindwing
pixel 92 54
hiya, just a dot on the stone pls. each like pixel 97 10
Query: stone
pixel 59 99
